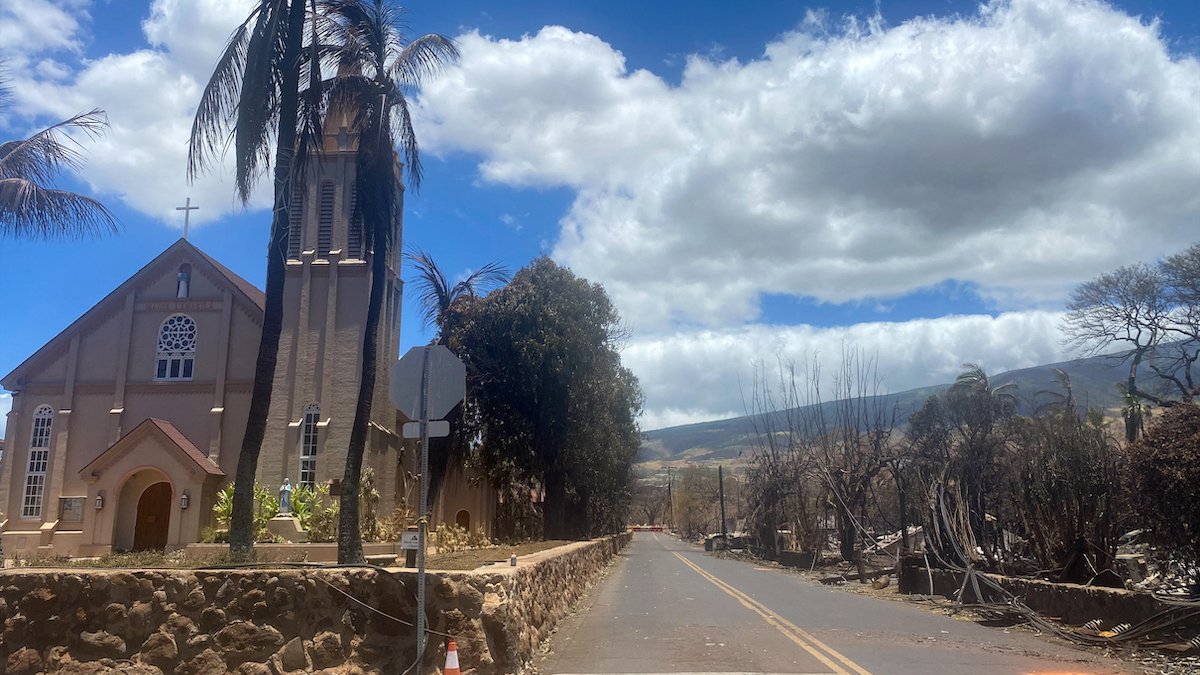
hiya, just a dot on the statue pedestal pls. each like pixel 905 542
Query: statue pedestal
pixel 287 528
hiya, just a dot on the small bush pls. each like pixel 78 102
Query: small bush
pixel 266 507
pixel 452 538
pixel 1164 481
pixel 396 524
pixel 316 511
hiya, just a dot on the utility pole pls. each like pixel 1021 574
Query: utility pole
pixel 670 502
pixel 721 490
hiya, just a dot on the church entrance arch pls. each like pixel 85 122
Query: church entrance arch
pixel 153 518
pixel 143 518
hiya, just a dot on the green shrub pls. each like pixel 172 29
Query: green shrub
pixel 451 538
pixel 266 507
pixel 396 524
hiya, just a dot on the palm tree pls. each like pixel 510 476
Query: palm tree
pixel 254 94
pixel 376 66
pixel 438 297
pixel 983 411
pixel 1134 411
pixel 31 209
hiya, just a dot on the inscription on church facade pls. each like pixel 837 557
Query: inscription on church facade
pixel 179 306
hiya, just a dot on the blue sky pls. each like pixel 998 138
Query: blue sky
pixel 924 181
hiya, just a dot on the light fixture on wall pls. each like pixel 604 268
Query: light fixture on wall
pixel 185 500
pixel 99 502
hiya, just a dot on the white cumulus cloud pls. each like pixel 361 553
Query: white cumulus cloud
pixel 149 94
pixel 35 25
pixel 1022 149
pixel 702 375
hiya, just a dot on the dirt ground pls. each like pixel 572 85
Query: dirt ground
pixel 478 557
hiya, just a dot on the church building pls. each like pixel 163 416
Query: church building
pixel 127 423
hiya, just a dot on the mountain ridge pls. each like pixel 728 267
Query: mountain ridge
pixel 1093 382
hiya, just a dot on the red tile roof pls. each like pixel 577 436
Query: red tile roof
pixel 174 435
pixel 187 446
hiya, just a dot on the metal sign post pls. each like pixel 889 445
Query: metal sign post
pixel 439 380
pixel 423 522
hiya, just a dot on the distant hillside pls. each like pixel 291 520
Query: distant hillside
pixel 1093 380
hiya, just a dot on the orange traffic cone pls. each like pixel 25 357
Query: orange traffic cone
pixel 452 660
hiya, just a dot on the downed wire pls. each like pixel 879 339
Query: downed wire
pixel 1179 612
pixel 1166 619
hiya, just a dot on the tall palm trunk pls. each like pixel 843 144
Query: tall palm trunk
pixel 241 522
pixel 349 533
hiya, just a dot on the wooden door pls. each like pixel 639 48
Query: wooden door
pixel 153 518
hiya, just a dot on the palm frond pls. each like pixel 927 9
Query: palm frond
pixel 30 210
pixel 422 58
pixel 255 119
pixel 434 291
pixel 217 103
pixel 43 155
pixel 491 275
pixel 28 206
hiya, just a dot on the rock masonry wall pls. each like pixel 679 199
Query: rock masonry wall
pixel 1073 604
pixel 298 620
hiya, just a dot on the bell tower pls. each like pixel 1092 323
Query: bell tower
pixel 326 288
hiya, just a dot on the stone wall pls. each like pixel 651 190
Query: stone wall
pixel 287 620
pixel 1071 603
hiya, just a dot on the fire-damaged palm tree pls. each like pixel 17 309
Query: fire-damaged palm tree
pixel 377 67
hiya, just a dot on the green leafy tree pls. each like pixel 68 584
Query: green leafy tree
pixel 254 92
pixel 443 305
pixel 649 503
pixel 377 68
pixel 556 410
pixel 29 206
pixel 696 508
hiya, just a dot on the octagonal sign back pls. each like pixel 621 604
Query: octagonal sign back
pixel 447 382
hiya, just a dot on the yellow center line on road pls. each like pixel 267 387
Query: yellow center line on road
pixel 835 659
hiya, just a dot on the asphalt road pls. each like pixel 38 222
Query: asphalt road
pixel 668 607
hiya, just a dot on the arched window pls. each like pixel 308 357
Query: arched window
pixel 463 519
pixel 39 460
pixel 325 223
pixel 308 444
pixel 183 285
pixel 176 348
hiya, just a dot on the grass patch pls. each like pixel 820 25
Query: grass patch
pixel 142 560
pixel 468 559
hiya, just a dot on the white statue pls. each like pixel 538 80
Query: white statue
pixel 285 497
